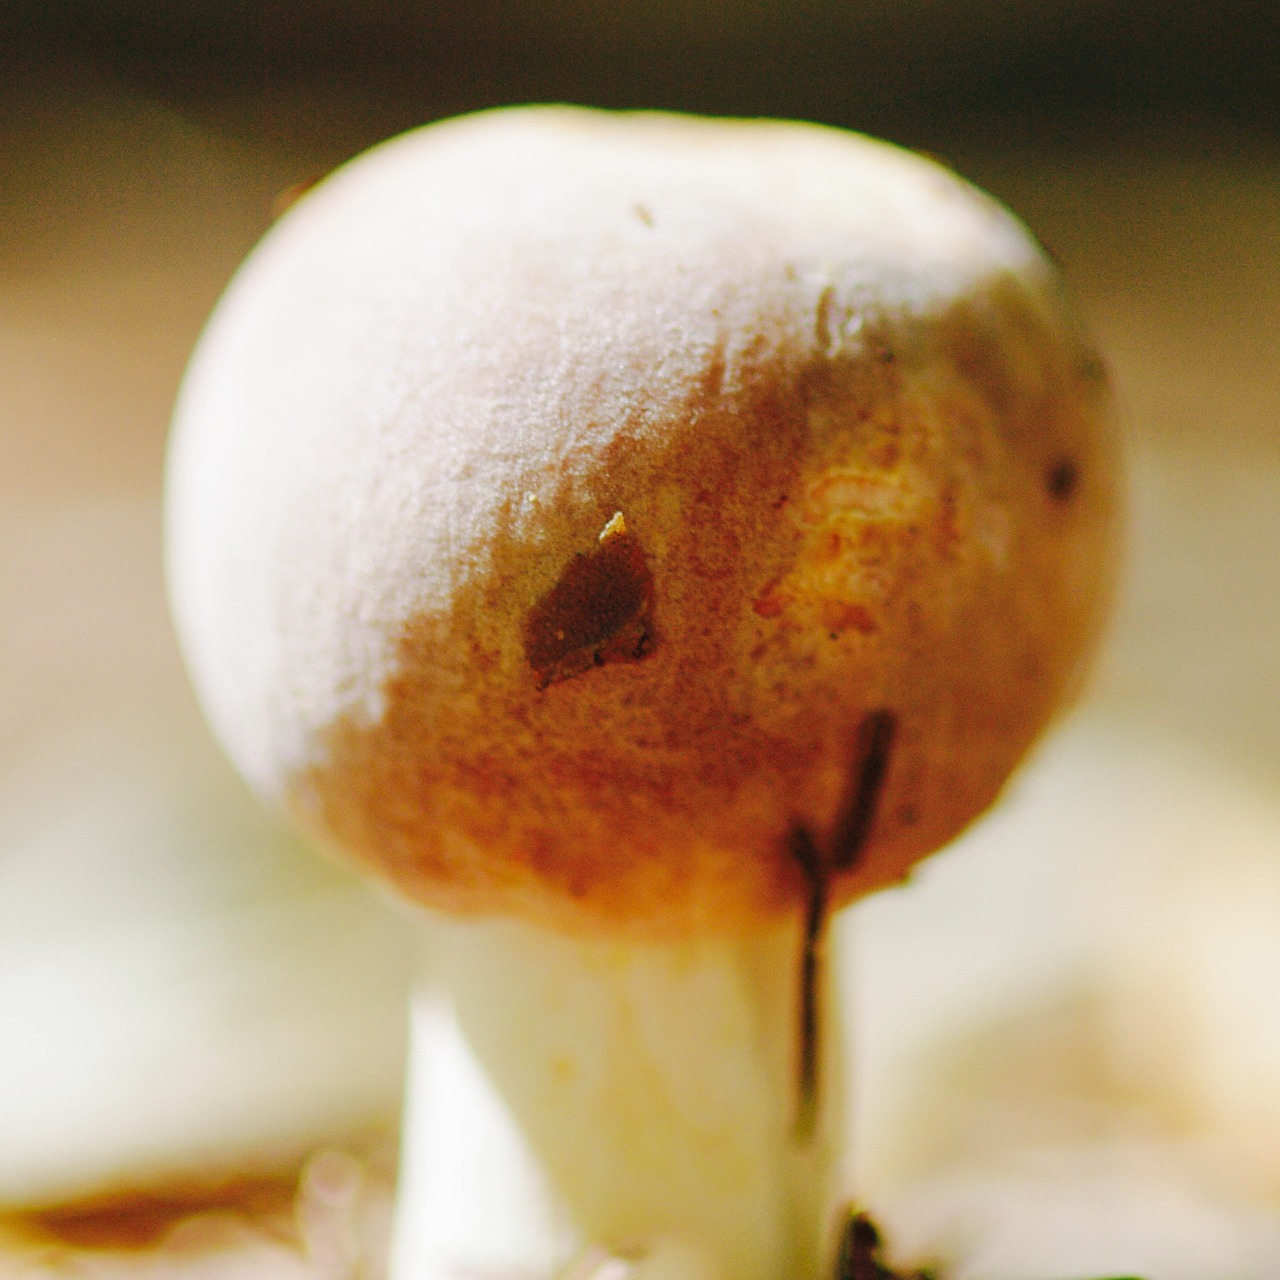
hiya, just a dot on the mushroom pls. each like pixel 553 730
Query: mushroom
pixel 633 538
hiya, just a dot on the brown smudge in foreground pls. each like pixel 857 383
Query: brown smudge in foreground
pixel 598 612
pixel 326 1219
pixel 138 1219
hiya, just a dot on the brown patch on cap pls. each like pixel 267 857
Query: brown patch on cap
pixel 597 613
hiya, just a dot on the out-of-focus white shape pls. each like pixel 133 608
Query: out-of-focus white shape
pixel 1196 1019
pixel 1097 963
pixel 663 1258
pixel 1133 1209
pixel 1193 650
pixel 485 1203
pixel 84 630
pixel 183 992
pixel 642 1097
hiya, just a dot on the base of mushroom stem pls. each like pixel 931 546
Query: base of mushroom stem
pixel 859 1256
pixel 640 1102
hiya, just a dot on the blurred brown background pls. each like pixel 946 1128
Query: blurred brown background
pixel 191 1007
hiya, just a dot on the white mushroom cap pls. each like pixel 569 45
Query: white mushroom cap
pixel 861 456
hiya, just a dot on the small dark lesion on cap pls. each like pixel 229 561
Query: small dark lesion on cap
pixel 599 612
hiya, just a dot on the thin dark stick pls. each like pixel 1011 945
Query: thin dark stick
pixel 853 827
pixel 858 813
pixel 809 860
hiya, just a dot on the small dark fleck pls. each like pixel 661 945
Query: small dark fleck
pixel 824 329
pixel 1093 368
pixel 886 355
pixel 1051 253
pixel 286 199
pixel 1062 479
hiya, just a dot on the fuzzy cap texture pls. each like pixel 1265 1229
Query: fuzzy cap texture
pixel 619 521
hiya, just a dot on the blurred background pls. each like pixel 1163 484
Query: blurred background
pixel 1067 1029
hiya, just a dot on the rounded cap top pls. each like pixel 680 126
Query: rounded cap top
pixel 620 520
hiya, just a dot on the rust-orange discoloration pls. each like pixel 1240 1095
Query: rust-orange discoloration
pixel 871 494
pixel 597 613
pixel 839 616
pixel 771 601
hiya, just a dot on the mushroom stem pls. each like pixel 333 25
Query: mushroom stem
pixel 648 1098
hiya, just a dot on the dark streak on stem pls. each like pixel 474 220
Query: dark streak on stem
pixel 810 861
pixel 849 837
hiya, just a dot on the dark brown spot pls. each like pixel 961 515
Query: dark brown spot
pixel 1062 479
pixel 598 613
pixel 858 812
